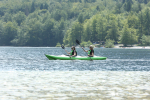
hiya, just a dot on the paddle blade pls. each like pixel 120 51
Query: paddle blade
pixel 62 47
pixel 77 42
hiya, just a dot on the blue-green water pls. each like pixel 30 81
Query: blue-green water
pixel 26 74
pixel 26 58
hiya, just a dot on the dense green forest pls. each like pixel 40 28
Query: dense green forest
pixel 50 22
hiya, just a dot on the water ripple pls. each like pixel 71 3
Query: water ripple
pixel 26 58
pixel 74 85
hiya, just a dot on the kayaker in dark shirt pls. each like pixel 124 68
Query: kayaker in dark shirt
pixel 73 53
pixel 90 52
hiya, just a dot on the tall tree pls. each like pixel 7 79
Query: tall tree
pixel 1 33
pixel 147 21
pixel 10 31
pixel 94 33
pixel 141 24
pixel 123 1
pixel 128 5
pixel 34 33
pixel 48 36
pixel 19 17
pixel 7 17
pixel 113 31
pixel 129 36
pixel 100 27
pixel 76 32
pixel 132 21
pixel 145 1
pixel 41 7
pixel 87 32
pixel 125 38
pixel 33 7
pixel 118 8
pixel 139 7
pixel 58 31
pixel 80 18
pixel 45 6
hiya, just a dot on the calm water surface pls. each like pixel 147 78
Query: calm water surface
pixel 26 74
pixel 12 58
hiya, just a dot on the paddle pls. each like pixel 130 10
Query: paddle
pixel 78 43
pixel 66 51
pixel 63 48
pixel 81 47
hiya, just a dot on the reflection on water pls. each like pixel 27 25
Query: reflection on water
pixel 83 85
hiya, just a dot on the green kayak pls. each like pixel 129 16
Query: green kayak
pixel 64 57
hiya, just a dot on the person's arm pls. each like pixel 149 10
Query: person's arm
pixel 67 51
pixel 84 50
pixel 74 54
pixel 92 54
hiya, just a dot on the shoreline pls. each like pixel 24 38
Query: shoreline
pixel 133 47
pixel 137 47
pixel 115 47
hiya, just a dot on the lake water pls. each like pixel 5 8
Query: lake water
pixel 26 74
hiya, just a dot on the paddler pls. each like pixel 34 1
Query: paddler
pixel 90 52
pixel 73 53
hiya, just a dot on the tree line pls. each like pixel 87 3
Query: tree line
pixel 49 22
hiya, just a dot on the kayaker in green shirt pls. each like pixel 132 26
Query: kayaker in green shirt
pixel 73 53
pixel 90 52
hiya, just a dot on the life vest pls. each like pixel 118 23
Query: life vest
pixel 90 52
pixel 72 52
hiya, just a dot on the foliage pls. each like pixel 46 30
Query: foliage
pixel 48 22
pixel 10 30
pixel 109 43
pixel 58 45
pixel 128 36
pixel 145 40
pixel 86 44
pixel 73 34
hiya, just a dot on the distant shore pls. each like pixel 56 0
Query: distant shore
pixel 133 47
pixel 119 46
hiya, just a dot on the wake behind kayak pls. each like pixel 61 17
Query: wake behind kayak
pixel 63 57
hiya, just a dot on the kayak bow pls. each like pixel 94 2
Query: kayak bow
pixel 63 57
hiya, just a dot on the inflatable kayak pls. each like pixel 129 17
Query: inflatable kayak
pixel 64 57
